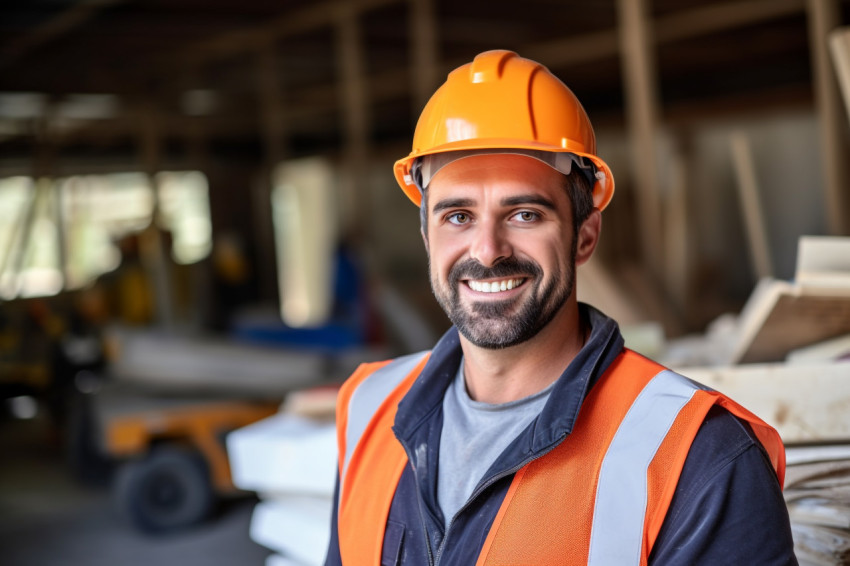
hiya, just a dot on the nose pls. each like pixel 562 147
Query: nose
pixel 490 244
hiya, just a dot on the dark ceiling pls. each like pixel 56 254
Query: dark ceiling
pixel 208 68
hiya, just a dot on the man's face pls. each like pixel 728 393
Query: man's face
pixel 501 247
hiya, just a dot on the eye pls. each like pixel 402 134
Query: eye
pixel 526 216
pixel 458 218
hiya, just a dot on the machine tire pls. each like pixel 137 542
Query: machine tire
pixel 168 490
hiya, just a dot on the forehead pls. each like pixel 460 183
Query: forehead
pixel 482 175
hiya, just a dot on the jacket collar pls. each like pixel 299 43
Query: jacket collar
pixel 561 410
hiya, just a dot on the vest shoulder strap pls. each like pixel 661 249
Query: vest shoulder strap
pixel 366 410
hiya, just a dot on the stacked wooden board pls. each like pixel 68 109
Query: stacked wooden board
pixel 817 490
pixel 290 461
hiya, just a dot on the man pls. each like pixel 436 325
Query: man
pixel 529 434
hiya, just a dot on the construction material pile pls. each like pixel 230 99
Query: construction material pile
pixel 786 358
pixel 817 491
pixel 289 459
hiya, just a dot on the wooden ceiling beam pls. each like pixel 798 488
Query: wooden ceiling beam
pixel 716 18
pixel 300 21
pixel 307 113
pixel 686 24
pixel 316 100
pixel 58 26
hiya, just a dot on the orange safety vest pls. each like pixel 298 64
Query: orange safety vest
pixel 615 473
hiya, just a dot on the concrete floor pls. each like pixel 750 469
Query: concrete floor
pixel 47 518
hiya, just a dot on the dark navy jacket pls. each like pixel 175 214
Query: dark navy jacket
pixel 727 509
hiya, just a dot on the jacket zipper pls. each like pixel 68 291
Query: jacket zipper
pixel 476 492
pixel 419 507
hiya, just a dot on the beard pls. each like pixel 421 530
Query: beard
pixel 500 324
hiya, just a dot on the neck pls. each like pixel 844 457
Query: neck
pixel 501 376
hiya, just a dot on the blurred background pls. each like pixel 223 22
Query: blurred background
pixel 198 216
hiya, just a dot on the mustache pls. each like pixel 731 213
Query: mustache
pixel 472 269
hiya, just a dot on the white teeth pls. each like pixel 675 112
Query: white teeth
pixel 495 286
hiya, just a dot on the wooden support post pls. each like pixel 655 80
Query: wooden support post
pixel 641 94
pixel 272 122
pixel 751 208
pixel 149 141
pixel 47 192
pixel 196 140
pixel 839 44
pixel 676 228
pixel 423 37
pixel 151 249
pixel 198 104
pixel 350 63
pixel 41 166
pixel 824 16
pixel 273 128
pixel 61 231
pixel 356 119
pixel 20 242
pixel 14 249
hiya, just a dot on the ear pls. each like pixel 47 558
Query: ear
pixel 588 236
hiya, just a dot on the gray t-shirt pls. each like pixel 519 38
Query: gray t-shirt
pixel 475 434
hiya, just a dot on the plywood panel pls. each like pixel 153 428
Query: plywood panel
pixel 804 403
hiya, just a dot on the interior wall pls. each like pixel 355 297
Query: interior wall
pixel 718 265
pixel 790 184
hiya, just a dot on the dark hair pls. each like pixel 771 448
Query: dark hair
pixel 423 213
pixel 578 188
pixel 581 197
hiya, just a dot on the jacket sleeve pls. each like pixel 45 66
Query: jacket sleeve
pixel 333 558
pixel 728 506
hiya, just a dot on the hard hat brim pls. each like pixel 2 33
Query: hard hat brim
pixel 603 189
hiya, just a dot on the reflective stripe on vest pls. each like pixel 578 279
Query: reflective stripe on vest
pixel 369 395
pixel 621 494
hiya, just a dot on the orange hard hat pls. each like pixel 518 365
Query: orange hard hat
pixel 503 101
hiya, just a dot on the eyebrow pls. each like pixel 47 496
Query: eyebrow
pixel 529 199
pixel 517 200
pixel 448 203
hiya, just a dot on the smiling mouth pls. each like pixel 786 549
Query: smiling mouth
pixel 495 286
